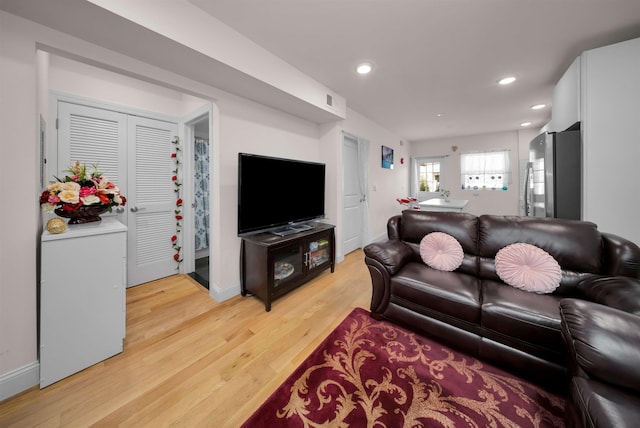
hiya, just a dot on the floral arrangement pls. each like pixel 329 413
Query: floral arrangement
pixel 175 241
pixel 410 202
pixel 80 190
pixel 445 193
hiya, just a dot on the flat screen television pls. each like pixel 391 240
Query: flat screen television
pixel 275 192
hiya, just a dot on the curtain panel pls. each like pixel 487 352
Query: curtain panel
pixel 201 193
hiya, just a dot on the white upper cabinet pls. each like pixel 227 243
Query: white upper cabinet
pixel 566 99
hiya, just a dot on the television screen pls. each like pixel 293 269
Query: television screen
pixel 275 192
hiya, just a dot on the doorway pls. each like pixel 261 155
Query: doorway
pixel 199 136
pixel 355 212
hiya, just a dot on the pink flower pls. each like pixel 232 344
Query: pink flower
pixel 87 191
pixel 179 202
pixel 174 238
pixel 174 178
pixel 173 155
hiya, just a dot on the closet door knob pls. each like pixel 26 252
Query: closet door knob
pixel 134 209
pixel 120 210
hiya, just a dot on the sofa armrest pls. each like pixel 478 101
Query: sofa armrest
pixel 621 256
pixel 603 342
pixel 392 254
pixel 620 292
pixel 383 260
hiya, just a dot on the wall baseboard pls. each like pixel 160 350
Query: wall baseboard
pixel 18 380
pixel 221 294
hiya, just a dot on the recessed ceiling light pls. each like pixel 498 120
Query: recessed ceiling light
pixel 525 124
pixel 507 80
pixel 364 68
pixel 538 106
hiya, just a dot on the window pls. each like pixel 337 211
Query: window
pixel 426 177
pixel 489 170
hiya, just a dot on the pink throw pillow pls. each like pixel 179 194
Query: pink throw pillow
pixel 441 251
pixel 528 268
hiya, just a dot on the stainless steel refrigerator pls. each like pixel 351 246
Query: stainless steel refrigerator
pixel 552 185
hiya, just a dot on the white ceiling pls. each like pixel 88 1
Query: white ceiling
pixel 434 56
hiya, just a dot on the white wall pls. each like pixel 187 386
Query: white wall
pixel 480 201
pixel 19 217
pixel 76 78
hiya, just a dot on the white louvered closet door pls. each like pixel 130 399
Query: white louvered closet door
pixel 93 136
pixel 152 200
pixel 134 153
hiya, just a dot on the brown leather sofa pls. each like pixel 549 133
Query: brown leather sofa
pixel 471 309
pixel 604 354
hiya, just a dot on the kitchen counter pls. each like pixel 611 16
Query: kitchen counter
pixel 438 204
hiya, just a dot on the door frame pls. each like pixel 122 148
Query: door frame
pixel 187 134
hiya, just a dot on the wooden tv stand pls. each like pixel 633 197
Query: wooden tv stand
pixel 271 265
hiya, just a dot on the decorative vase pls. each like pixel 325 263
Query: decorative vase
pixel 85 214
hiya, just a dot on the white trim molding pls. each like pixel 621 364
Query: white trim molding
pixel 18 380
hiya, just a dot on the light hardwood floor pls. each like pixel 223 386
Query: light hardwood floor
pixel 189 361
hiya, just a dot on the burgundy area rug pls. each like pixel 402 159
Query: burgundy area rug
pixel 370 373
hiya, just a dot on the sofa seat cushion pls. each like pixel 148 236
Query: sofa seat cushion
pixel 528 317
pixel 600 405
pixel 454 294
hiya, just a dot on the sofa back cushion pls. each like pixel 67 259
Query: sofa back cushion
pixel 576 245
pixel 415 225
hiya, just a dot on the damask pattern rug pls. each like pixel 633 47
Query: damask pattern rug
pixel 370 373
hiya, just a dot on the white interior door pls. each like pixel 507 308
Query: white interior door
pixel 352 197
pixel 93 136
pixel 134 153
pixel 152 200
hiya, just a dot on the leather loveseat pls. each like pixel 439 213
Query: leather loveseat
pixel 604 354
pixel 473 310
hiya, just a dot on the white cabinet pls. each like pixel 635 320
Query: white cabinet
pixel 601 88
pixel 82 297
pixel 566 98
pixel 611 137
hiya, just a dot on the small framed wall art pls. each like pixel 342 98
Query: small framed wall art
pixel 387 157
